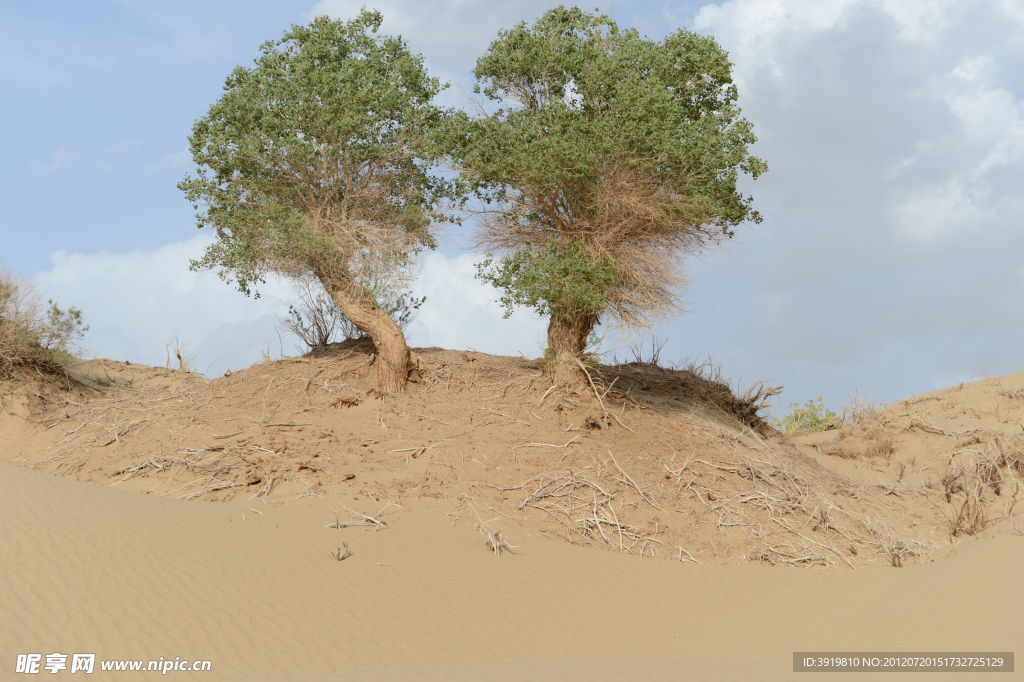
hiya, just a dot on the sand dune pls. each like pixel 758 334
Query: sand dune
pixel 92 570
pixel 251 586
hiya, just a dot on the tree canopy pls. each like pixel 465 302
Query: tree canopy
pixel 601 157
pixel 316 161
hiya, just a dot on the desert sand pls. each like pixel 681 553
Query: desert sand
pixel 496 530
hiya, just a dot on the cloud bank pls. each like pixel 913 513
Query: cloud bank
pixel 135 302
pixel 450 34
pixel 890 255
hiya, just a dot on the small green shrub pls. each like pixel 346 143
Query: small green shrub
pixel 812 416
pixel 32 333
pixel 61 331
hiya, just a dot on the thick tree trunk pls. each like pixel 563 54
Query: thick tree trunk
pixel 392 351
pixel 566 343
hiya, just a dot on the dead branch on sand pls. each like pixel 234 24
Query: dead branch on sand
pixel 361 519
pixel 493 538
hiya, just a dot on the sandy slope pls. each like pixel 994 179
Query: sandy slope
pixel 250 584
pixel 86 569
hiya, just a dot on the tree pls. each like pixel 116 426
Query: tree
pixel 316 162
pixel 316 319
pixel 601 158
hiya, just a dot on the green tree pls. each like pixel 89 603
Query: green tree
pixel 316 162
pixel 601 158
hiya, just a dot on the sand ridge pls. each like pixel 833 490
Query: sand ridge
pixel 129 576
pixel 176 541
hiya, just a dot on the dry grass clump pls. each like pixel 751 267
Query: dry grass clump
pixel 968 517
pixel 583 506
pixel 1010 459
pixel 769 507
pixel 879 443
pixel 858 408
pixel 843 447
pixel 210 471
pixel 994 468
pixel 976 473
pixel 862 434
pixel 177 351
pixel 860 442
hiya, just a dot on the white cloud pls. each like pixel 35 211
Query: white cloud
pixel 178 159
pixel 450 34
pixel 759 32
pixel 990 115
pixel 463 313
pixel 61 158
pixel 134 302
pixel 889 255
pixel 986 147
pixel 124 146
pixel 954 211
pixel 175 160
pixel 919 20
pixel 752 29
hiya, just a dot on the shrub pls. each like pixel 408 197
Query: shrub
pixel 811 417
pixel 33 332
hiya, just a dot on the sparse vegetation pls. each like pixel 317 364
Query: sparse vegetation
pixel 875 442
pixel 978 472
pixel 857 408
pixel 176 351
pixel 704 477
pixel 34 333
pixel 811 416
pixel 879 443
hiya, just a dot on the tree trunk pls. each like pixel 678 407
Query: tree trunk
pixel 566 343
pixel 392 351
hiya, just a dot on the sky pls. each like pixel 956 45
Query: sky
pixel 890 259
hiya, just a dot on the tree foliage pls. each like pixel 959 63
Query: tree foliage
pixel 594 148
pixel 316 160
pixel 554 281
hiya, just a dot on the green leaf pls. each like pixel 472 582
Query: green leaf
pixel 556 279
pixel 318 155
pixel 596 144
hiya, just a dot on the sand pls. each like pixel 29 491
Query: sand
pixel 251 585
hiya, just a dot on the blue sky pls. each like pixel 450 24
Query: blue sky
pixel 890 257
